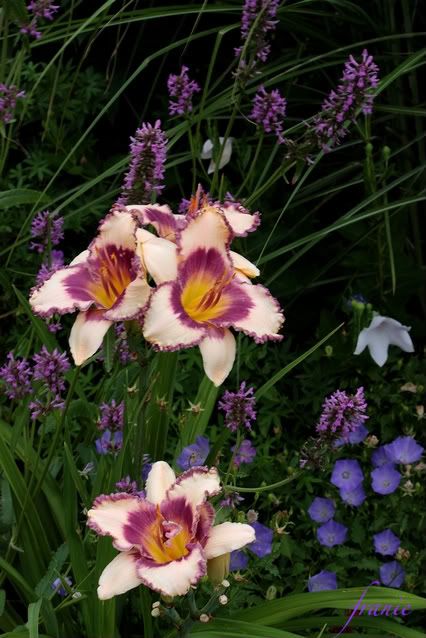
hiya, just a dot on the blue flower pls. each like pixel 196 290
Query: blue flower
pixel 379 456
pixel 195 454
pixel 385 479
pixel 347 474
pixel 392 574
pixel 323 581
pixel 262 546
pixel 332 533
pixel 386 543
pixel 321 509
pixel 404 450
pixel 355 497
pixel 239 560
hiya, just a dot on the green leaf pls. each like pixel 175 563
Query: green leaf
pixel 198 419
pixel 40 327
pixel 44 587
pixel 227 628
pixel 20 196
pixel 33 616
pixel 2 601
pixel 281 373
pixel 16 10
pixel 109 349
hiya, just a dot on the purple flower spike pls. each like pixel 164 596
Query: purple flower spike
pixel 332 533
pixel 182 89
pixel 404 450
pixel 9 95
pixel 50 367
pixel 232 500
pixel 239 408
pixel 355 497
pixel 239 561
pixel 343 414
pixel 43 9
pixel 386 543
pixel 195 454
pixel 385 479
pixel 392 574
pixel 257 20
pixel 379 457
pixel 147 160
pixel 58 587
pixel 111 416
pixel 323 581
pixel 347 474
pixel 109 442
pixel 269 111
pixel 46 270
pixel 321 509
pixel 43 226
pixel 355 91
pixel 16 374
pixel 245 453
pixel 262 546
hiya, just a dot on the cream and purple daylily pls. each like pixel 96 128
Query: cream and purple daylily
pixel 106 283
pixel 203 290
pixel 165 539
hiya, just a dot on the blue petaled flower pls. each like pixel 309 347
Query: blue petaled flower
pixel 355 497
pixel 195 454
pixel 323 581
pixel 245 452
pixel 386 543
pixel 379 457
pixel 392 574
pixel 332 533
pixel 109 442
pixel 347 474
pixel 404 450
pixel 239 561
pixel 58 587
pixel 385 479
pixel 262 546
pixel 321 509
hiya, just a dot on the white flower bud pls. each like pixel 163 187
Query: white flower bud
pixel 223 599
pixel 225 583
pixel 155 612
pixel 156 604
pixel 204 618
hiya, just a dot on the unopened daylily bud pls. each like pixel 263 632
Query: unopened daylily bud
pixel 204 618
pixel 155 612
pixel 218 568
pixel 223 599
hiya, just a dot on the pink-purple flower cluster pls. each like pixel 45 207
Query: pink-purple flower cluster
pixel 47 269
pixel 181 88
pixel 40 10
pixel 44 227
pixel 342 414
pixel 239 408
pixel 258 20
pixel 268 111
pixel 9 95
pixel 355 91
pixel 122 348
pixel 147 160
pixel 49 369
pixel 16 374
pixel 111 423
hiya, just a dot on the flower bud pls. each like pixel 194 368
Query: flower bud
pixel 204 618
pixel 218 568
pixel 223 599
pixel 156 604
pixel 225 583
pixel 271 593
pixel 252 516
pixel 155 612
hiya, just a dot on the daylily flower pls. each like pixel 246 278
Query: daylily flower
pixel 106 283
pixel 167 538
pixel 203 289
pixel 382 333
pixel 207 153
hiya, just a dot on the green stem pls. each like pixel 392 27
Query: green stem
pixel 252 167
pixel 263 488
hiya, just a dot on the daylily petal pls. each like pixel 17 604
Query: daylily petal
pixel 133 299
pixel 81 258
pixel 196 485
pixel 265 317
pixel 117 229
pixel 160 479
pixel 218 351
pixel 158 256
pixel 87 334
pixel 161 217
pixel 119 576
pixel 241 221
pixel 208 229
pixel 110 515
pixel 174 578
pixel 228 537
pixel 243 265
pixel 163 327
pixel 62 292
